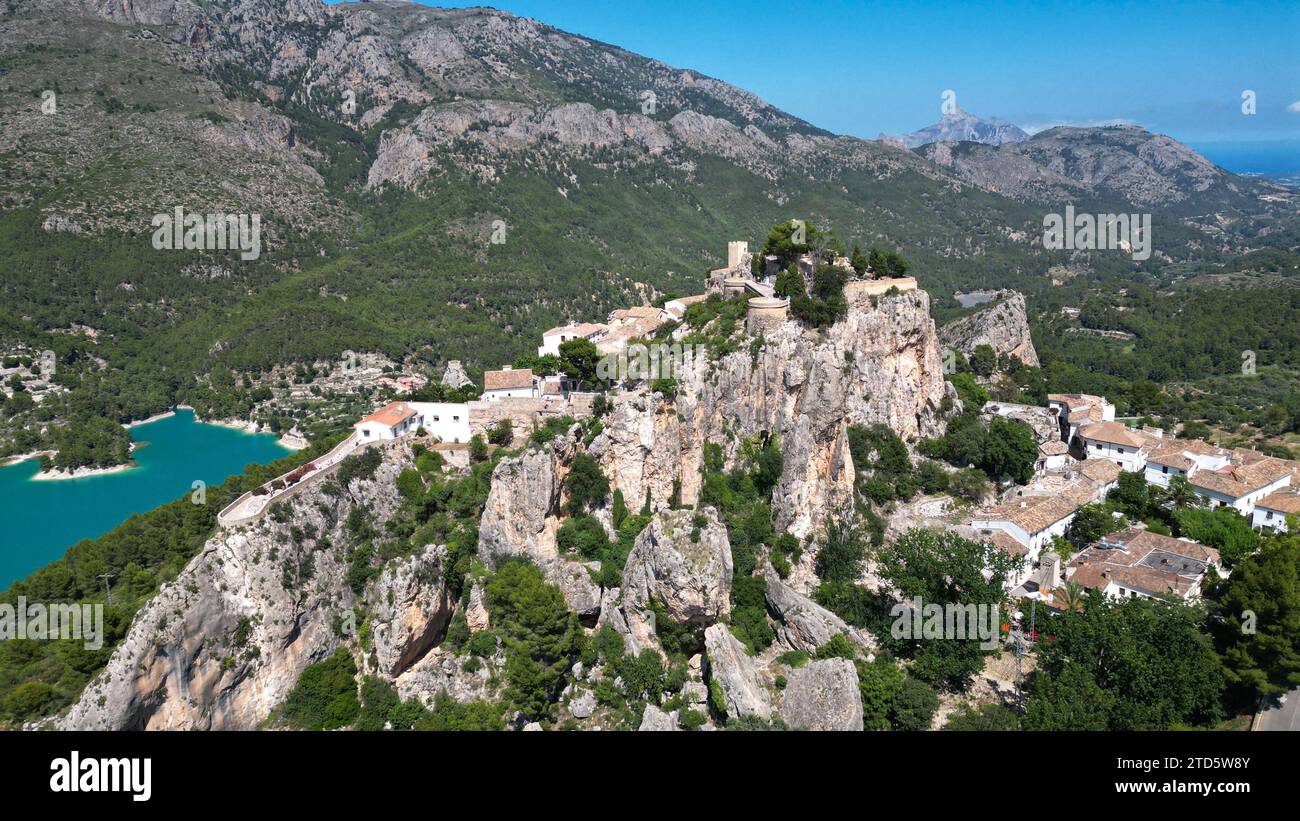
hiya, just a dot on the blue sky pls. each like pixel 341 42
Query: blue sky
pixel 861 68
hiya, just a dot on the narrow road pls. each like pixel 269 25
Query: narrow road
pixel 1285 716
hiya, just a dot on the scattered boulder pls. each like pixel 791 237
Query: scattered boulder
pixel 823 695
pixel 656 720
pixel 583 705
pixel 806 625
pixel 733 671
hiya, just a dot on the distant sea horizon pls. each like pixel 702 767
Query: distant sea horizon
pixel 1277 160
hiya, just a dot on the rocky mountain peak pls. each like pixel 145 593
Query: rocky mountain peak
pixel 957 125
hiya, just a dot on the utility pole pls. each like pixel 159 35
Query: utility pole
pixel 108 587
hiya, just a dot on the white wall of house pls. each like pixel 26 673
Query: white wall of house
pixel 370 431
pixel 1034 541
pixel 1245 505
pixel 448 421
pixel 1161 474
pixel 551 342
pixel 504 393
pixel 1054 462
pixel 1267 517
pixel 1127 457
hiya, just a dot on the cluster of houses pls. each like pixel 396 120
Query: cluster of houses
pixel 1080 460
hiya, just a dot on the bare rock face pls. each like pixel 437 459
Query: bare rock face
pixel 454 376
pixel 521 518
pixel 224 643
pixel 656 720
pixel 881 363
pixel 806 625
pixel 410 608
pixel 733 671
pixel 686 569
pixel 440 674
pixel 476 615
pixel 823 695
pixel 1003 326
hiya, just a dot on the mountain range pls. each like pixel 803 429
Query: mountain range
pixel 445 184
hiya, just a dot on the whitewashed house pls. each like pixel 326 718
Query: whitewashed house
pixel 1241 484
pixel 1031 521
pixel 1271 511
pixel 1074 410
pixel 1052 455
pixel 555 337
pixel 509 383
pixel 447 421
pixel 389 422
pixel 1118 443
pixel 1182 457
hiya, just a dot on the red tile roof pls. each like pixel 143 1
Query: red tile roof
pixel 391 415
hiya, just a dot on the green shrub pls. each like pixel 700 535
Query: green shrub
pixel 325 697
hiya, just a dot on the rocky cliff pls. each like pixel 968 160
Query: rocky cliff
pixel 223 644
pixel 881 363
pixel 1003 326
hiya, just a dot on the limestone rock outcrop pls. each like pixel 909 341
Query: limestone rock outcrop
pixel 804 624
pixel 656 720
pixel 881 363
pixel 222 645
pixel 521 518
pixel 823 695
pixel 733 671
pixel 454 376
pixel 409 609
pixel 1003 326
pixel 683 569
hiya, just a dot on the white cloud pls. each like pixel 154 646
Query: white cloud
pixel 1034 128
pixel 1294 108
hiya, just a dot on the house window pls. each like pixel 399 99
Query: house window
pixel 1269 515
pixel 1098 446
pixel 1164 468
pixel 455 418
pixel 436 418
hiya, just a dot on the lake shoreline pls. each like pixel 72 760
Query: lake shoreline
pixel 47 515
pixel 60 474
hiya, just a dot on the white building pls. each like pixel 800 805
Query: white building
pixel 555 337
pixel 447 421
pixel 676 308
pixel 389 422
pixel 1137 562
pixel 1272 510
pixel 1120 444
pixel 507 383
pixel 1074 410
pixel 1024 525
pixel 1052 455
pixel 1182 457
pixel 1242 484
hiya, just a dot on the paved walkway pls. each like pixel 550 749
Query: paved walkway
pixel 250 506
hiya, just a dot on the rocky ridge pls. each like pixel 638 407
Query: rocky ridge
pixel 1003 325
